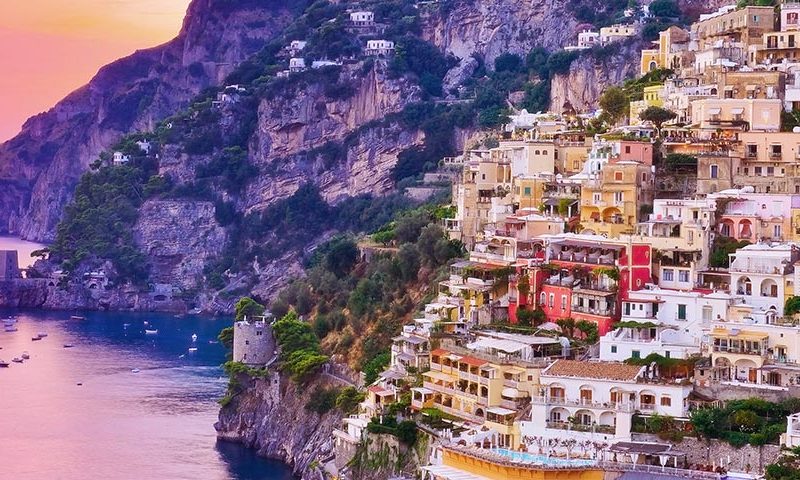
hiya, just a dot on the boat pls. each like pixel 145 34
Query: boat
pixel 68 345
pixel 16 360
pixel 35 339
pixel 26 356
pixel 194 311
pixel 146 323
pixel 4 364
pixel 192 349
pixel 194 337
pixel 77 317
pixel 212 342
pixel 151 332
pixel 135 370
pixel 42 334
pixel 126 325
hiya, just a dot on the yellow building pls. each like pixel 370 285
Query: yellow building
pixel 671 43
pixel 746 25
pixel 652 97
pixel 471 464
pixel 478 388
pixel 610 201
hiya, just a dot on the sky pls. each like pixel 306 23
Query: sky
pixel 48 48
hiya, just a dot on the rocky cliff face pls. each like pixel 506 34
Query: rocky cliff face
pixel 589 76
pixel 270 416
pixel 40 167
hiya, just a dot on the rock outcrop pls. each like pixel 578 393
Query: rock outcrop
pixel 270 416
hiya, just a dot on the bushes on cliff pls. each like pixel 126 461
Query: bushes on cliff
pixel 300 349
pixel 423 59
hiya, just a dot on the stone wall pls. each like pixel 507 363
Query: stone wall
pixel 701 452
pixel 733 392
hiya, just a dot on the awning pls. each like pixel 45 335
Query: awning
pixel 500 411
pixel 728 88
pixel 423 390
pixel 513 393
pixel 714 111
pixel 750 88
pixel 737 111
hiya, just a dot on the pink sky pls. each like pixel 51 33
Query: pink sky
pixel 49 48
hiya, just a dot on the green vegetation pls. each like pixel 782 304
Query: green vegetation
pixel 724 246
pixel 657 116
pixel 739 422
pixel 792 306
pixel 358 307
pixel 405 431
pixel 675 161
pixel 786 468
pixel 615 104
pixel 247 307
pixel 374 367
pixel 97 223
pixel 301 354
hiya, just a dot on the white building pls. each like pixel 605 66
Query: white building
pixel 362 18
pixel 379 47
pixel 762 274
pixel 296 47
pixel 586 39
pixel 616 32
pixel 323 63
pixel 670 323
pixel 791 438
pixel 297 64
pixel 120 159
pixel 409 350
pixel 597 400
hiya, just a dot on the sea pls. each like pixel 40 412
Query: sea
pixel 118 404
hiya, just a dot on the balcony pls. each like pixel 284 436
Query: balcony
pixel 453 391
pixel 458 413
pixel 579 427
pixel 565 402
pixel 600 312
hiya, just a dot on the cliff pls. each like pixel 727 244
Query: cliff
pixel 270 416
pixel 40 167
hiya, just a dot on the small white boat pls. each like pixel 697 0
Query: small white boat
pixel 42 334
pixel 194 337
pixel 16 360
pixel 194 311
pixel 192 349
pixel 146 323
pixel 126 325
pixel 151 332
pixel 135 370
pixel 68 345
pixel 4 364
pixel 26 356
pixel 77 317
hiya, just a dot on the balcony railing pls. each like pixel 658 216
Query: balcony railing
pixel 580 427
pixel 601 312
pixel 565 402
pixel 453 391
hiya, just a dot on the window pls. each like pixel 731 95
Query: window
pixel 666 401
pixel 552 299
pixel 617 176
pixel 627 149
pixel 636 354
pixel 770 171
pixel 752 151
pixel 613 349
pixel 527 191
pixel 681 311
pixel 668 275
pixel 776 231
pixel 563 302
pixel 542 299
pixel 618 196
pixel 596 197
pixel 667 354
pixel 707 312
pixel 757 170
pixel 683 276
pixel 714 171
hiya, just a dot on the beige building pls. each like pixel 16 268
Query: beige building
pixel 610 201
pixel 713 116
pixel 746 25
pixel 669 51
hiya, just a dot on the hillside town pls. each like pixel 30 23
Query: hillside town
pixel 617 279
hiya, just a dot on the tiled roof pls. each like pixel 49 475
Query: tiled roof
pixel 380 391
pixel 596 370
pixel 439 351
pixel 475 362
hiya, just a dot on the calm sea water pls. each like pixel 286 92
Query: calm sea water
pixel 155 424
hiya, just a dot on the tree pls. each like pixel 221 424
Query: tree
pixel 508 62
pixel 665 9
pixel 525 317
pixel 614 103
pixel 226 337
pixel 375 366
pixel 792 306
pixel 709 422
pixel 589 330
pixel 657 115
pixel 247 307
pixel 407 432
